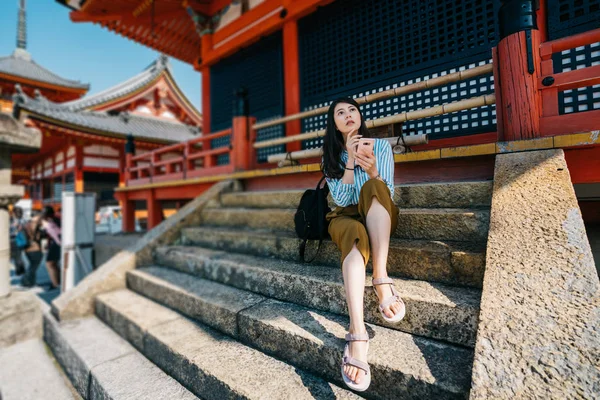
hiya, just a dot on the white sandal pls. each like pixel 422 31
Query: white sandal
pixel 388 301
pixel 348 360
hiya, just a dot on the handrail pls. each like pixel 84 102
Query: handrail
pixel 318 152
pixel 210 136
pixel 169 148
pixel 569 42
pixel 413 87
pixel 466 104
pixel 141 156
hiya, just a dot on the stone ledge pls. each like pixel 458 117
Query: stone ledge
pixel 79 301
pixel 20 318
pixel 539 325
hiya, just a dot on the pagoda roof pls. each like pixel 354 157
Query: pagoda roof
pixel 105 123
pixel 20 64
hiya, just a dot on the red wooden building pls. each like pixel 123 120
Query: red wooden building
pixel 446 69
pixel 83 140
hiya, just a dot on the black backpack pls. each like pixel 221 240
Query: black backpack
pixel 309 219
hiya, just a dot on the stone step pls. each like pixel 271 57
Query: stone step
pixel 212 365
pixel 447 262
pixel 428 195
pixel 414 223
pixel 432 310
pixel 443 224
pixel 28 372
pixel 403 366
pixel 102 365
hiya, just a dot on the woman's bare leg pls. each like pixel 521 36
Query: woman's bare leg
pixel 53 272
pixel 353 269
pixel 378 227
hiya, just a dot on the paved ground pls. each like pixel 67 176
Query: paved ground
pixel 42 284
pixel 109 245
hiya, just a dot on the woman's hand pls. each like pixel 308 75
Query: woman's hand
pixel 352 143
pixel 368 163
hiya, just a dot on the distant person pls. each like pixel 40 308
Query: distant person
pixel 48 228
pixel 32 255
pixel 19 239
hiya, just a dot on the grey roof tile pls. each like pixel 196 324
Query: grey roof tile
pixel 20 64
pixel 139 126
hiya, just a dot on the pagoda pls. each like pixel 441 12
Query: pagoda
pixel 20 69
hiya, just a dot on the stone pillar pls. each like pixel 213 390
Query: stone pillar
pixel 14 138
pixel 9 194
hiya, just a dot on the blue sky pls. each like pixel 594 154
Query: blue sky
pixel 84 51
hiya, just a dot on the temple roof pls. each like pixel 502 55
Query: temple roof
pixel 122 89
pixel 108 97
pixel 20 64
pixel 105 124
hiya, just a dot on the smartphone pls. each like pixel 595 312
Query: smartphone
pixel 365 146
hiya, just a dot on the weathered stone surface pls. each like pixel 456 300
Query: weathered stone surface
pixel 79 301
pixel 263 199
pixel 539 330
pixel 142 310
pixel 446 262
pixel 102 365
pixel 80 345
pixel 268 218
pixel 434 195
pixel 217 367
pixel 403 366
pixel 214 304
pixel 434 224
pixel 133 377
pixel 443 224
pixel 28 373
pixel 20 318
pixel 433 310
pixel 444 195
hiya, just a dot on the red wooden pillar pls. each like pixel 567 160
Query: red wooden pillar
pixel 542 19
pixel 240 133
pixel 154 209
pixel 205 71
pixel 240 144
pixel 518 60
pixel 128 213
pixel 252 160
pixel 291 78
pixel 78 170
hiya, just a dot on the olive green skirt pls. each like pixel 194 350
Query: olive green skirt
pixel 347 225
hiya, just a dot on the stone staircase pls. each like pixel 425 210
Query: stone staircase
pixel 229 312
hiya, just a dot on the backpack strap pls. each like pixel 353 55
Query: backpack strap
pixel 320 211
pixel 303 248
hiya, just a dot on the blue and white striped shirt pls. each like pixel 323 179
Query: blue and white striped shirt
pixel 345 194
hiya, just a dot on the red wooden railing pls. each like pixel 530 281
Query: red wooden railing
pixel 191 159
pixel 551 123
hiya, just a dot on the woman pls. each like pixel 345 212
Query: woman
pixel 362 187
pixel 17 228
pixel 50 227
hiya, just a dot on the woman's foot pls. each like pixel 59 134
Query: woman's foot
pixel 358 350
pixel 391 305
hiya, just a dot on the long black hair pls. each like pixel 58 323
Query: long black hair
pixel 333 142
